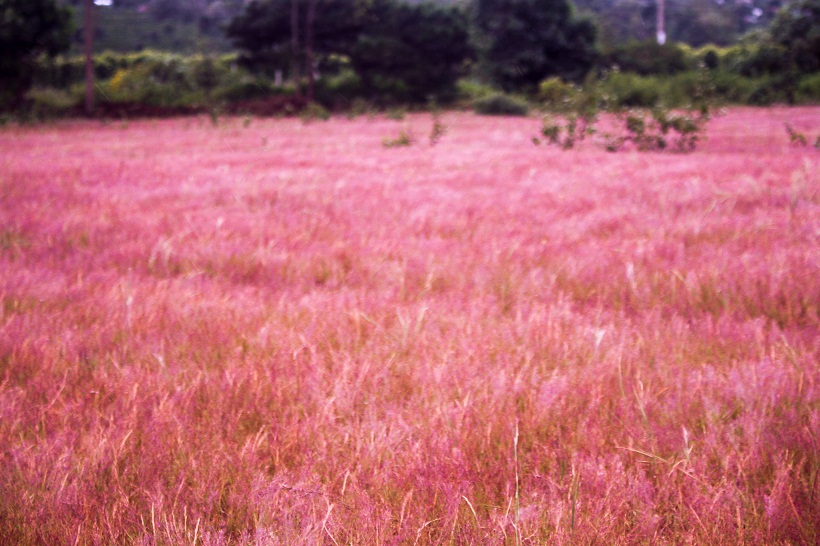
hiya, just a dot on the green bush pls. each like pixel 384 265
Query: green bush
pixel 731 87
pixel 808 89
pixel 501 105
pixel 711 60
pixel 339 91
pixel 633 91
pixel 691 88
pixel 770 90
pixel 404 139
pixel 555 92
pixel 471 90
pixel 649 58
pixel 314 112
pixel 154 84
pixel 755 60
pixel 246 88
pixel 46 102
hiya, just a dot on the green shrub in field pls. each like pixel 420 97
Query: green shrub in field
pixel 156 85
pixel 691 88
pixel 404 139
pixel 59 72
pixel 647 130
pixel 360 107
pixel 755 60
pixel 207 74
pixel 46 102
pixel 771 90
pixel 245 88
pixel 313 112
pixel 501 105
pixel 555 92
pixel 471 90
pixel 808 89
pixel 711 59
pixel 648 58
pixel 730 87
pixel 339 91
pixel 566 131
pixel 634 91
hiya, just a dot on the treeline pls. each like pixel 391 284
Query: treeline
pixel 354 55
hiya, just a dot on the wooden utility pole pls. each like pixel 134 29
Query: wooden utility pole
pixel 309 31
pixel 661 22
pixel 294 45
pixel 88 31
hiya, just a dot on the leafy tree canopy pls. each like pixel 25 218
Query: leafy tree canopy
pixel 695 22
pixel 402 50
pixel 263 30
pixel 797 29
pixel 526 41
pixel 412 52
pixel 28 29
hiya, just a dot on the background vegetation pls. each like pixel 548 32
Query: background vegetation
pixel 387 53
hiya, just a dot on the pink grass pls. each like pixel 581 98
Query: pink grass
pixel 287 333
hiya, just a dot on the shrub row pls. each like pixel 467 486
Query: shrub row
pixel 750 59
pixel 629 90
pixel 161 80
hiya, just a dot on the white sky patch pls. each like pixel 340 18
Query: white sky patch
pixel 103 2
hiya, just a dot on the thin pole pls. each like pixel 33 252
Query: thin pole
pixel 88 28
pixel 661 22
pixel 294 45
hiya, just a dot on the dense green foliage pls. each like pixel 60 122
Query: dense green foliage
pixel 648 57
pixel 525 41
pixel 411 53
pixel 180 26
pixel 797 30
pixel 383 53
pixel 694 22
pixel 28 29
pixel 263 31
pixel 397 51
pixel 501 105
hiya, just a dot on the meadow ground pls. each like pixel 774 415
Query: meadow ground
pixel 272 332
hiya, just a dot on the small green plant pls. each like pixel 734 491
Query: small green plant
pixel 796 138
pixel 554 92
pixel 648 130
pixel 313 112
pixel 405 138
pixel 660 129
pixel 566 132
pixel 438 130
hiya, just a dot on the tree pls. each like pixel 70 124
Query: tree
pixel 695 22
pixel 411 52
pixel 525 41
pixel 797 29
pixel 267 32
pixel 406 51
pixel 28 29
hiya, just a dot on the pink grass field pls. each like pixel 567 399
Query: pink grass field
pixel 273 332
